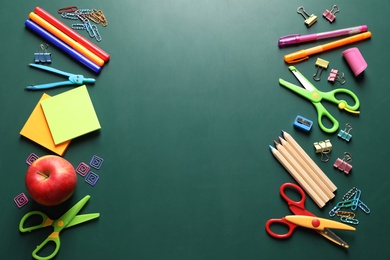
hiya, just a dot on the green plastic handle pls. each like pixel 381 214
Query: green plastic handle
pixel 342 104
pixel 46 221
pixel 322 112
pixel 54 237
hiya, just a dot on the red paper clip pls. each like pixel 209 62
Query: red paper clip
pixel 68 9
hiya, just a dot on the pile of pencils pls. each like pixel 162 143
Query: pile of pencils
pixel 303 169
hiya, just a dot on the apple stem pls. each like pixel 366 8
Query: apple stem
pixel 44 175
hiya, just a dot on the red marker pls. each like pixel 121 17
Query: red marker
pixel 72 34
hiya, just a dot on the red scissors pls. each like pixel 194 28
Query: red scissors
pixel 305 218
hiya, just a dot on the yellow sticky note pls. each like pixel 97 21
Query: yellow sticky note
pixel 36 129
pixel 70 114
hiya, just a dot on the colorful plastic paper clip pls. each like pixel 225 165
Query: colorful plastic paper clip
pixel 92 178
pixel 345 134
pixel 21 200
pixel 31 158
pixel 309 19
pixel 303 123
pixel 83 169
pixel 96 162
pixel 330 15
pixel 343 164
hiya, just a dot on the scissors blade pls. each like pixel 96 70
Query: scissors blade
pixel 316 223
pixel 71 213
pixel 305 83
pixel 82 218
pixel 328 234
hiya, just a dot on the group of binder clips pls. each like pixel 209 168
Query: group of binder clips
pixel 42 56
pixel 343 164
pixel 86 16
pixel 350 200
pixel 311 19
pixel 346 133
pixel 323 147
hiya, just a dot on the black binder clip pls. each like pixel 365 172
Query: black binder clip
pixel 42 56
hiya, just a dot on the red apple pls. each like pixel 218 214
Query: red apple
pixel 51 180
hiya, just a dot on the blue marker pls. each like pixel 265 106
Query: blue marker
pixel 61 45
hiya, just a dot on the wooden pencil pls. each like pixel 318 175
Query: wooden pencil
pixel 327 192
pixel 309 161
pixel 297 177
pixel 302 172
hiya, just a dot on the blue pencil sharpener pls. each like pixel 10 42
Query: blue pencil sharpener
pixel 303 124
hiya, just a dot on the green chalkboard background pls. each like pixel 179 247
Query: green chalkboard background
pixel 188 104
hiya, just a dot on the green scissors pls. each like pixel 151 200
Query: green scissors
pixel 70 218
pixel 315 96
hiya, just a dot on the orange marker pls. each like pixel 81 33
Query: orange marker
pixel 304 54
pixel 66 39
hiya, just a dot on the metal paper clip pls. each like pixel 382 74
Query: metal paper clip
pixel 42 56
pixel 330 15
pixel 345 134
pixel 99 15
pixel 309 19
pixel 321 65
pixel 336 76
pixel 347 214
pixel 343 164
pixel 68 9
pixel 334 211
pixel 364 207
pixel 349 220
pixel 350 193
pixel 96 33
pixel 78 26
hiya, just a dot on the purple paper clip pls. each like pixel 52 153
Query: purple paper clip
pixel 330 15
pixel 83 169
pixel 21 200
pixel 96 162
pixel 92 178
pixel 31 158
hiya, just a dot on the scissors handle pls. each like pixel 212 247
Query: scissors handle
pixel 280 221
pixel 322 112
pixel 53 237
pixel 342 104
pixel 296 207
pixel 46 221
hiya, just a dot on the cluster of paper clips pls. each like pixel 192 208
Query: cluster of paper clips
pixel 86 16
pixel 311 19
pixel 350 200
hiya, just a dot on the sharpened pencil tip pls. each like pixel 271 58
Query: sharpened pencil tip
pixel 271 147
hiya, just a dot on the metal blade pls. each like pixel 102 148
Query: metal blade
pixel 305 83
pixel 328 234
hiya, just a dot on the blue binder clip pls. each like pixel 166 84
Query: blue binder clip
pixel 345 134
pixel 42 56
pixel 303 123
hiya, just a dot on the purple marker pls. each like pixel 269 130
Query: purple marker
pixel 61 45
pixel 297 38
